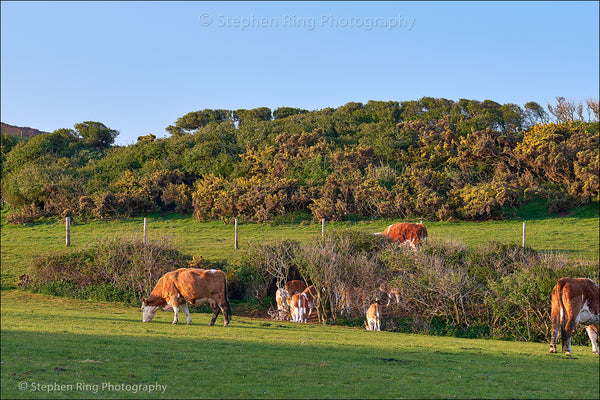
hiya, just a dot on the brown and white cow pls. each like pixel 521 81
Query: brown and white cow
pixel 405 232
pixel 311 297
pixel 298 304
pixel 284 294
pixel 188 285
pixel 574 301
pixel 373 318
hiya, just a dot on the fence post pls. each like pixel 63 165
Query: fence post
pixel 145 236
pixel 524 232
pixel 322 227
pixel 68 229
pixel 235 243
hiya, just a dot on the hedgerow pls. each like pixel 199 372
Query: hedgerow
pixel 497 290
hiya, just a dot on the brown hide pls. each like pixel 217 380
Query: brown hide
pixel 187 284
pixel 570 295
pixel 406 232
pixel 293 287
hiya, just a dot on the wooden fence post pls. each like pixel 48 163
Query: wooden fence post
pixel 524 232
pixel 145 235
pixel 235 243
pixel 322 227
pixel 68 229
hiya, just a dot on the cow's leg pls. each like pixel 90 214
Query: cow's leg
pixel 555 328
pixel 176 312
pixel 593 334
pixel 224 309
pixel 216 311
pixel 186 310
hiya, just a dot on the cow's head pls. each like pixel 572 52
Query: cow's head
pixel 148 311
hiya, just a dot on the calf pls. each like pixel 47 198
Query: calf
pixel 298 304
pixel 574 301
pixel 373 318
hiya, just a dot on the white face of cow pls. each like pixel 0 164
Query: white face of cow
pixel 149 312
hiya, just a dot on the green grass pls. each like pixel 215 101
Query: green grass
pixel 576 235
pixel 48 340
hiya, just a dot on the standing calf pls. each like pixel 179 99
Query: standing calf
pixel 373 318
pixel 298 304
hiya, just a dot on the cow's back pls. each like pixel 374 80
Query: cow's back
pixel 295 286
pixel 404 231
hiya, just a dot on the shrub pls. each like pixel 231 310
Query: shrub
pixel 114 270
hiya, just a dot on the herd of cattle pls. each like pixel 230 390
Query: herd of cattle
pixel 574 301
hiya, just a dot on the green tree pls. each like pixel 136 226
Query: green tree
pixel 96 135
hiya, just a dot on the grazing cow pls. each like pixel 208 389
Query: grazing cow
pixel 405 232
pixel 187 285
pixel 295 286
pixel 373 318
pixel 298 304
pixel 311 296
pixel 574 301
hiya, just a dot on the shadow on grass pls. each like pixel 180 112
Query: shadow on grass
pixel 247 367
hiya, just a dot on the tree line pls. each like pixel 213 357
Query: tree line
pixel 431 158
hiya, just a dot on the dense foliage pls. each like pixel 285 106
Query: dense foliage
pixel 497 290
pixel 433 158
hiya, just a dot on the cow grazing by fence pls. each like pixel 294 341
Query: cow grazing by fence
pixel 574 301
pixel 405 232
pixel 187 285
pixel 373 318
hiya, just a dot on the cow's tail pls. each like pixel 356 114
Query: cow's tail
pixel 226 300
pixel 562 316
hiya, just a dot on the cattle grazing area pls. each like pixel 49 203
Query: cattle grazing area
pixel 48 340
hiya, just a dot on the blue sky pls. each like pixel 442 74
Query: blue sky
pixel 138 66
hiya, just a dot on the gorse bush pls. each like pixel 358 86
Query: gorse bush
pixel 497 290
pixel 432 158
pixel 115 270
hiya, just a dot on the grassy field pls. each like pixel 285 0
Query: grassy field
pixel 576 235
pixel 60 348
